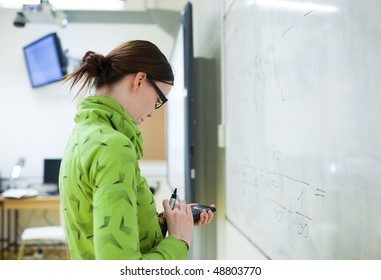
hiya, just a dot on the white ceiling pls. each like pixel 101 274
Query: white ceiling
pixel 164 13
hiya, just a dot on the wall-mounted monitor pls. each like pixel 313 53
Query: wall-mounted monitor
pixel 45 60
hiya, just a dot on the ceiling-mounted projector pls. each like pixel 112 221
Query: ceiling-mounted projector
pixel 41 13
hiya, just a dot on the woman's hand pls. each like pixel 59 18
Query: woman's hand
pixel 205 217
pixel 179 220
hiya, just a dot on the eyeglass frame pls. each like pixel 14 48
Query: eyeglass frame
pixel 162 97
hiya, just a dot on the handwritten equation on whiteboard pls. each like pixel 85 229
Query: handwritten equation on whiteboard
pixel 286 198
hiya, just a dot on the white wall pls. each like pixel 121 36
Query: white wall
pixel 36 123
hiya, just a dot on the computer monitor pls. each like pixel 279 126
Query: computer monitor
pixel 45 60
pixel 51 171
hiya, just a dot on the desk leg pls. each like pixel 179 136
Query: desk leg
pixel 2 234
pixel 6 235
pixel 12 229
pixel 15 230
pixel 9 229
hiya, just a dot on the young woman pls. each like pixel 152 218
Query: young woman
pixel 109 210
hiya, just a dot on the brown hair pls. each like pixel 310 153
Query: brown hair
pixel 131 57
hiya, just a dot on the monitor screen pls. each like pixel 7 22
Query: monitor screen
pixel 51 171
pixel 45 60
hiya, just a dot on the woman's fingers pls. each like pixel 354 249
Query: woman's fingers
pixel 166 205
pixel 205 218
pixel 183 205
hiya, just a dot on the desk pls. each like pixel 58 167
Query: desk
pixel 9 205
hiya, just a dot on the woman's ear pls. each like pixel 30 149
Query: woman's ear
pixel 137 81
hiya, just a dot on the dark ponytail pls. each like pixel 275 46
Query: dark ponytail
pixel 98 71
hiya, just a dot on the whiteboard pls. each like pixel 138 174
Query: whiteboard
pixel 302 95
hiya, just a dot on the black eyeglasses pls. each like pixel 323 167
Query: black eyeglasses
pixel 162 99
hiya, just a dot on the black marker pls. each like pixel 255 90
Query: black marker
pixel 173 198
pixel 172 202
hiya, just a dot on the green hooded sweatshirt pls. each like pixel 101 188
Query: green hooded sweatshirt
pixel 109 211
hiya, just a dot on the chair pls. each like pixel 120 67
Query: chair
pixel 49 235
pixel 42 236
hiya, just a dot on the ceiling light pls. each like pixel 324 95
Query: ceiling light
pixel 296 6
pixel 103 5
pixel 15 4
